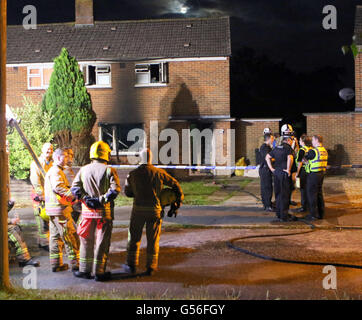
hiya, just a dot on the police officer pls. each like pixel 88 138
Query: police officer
pixel 145 184
pixel 318 159
pixel 303 170
pixel 266 176
pixel 283 156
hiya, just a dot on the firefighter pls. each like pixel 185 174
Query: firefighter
pixel 266 176
pixel 58 206
pixel 97 186
pixel 69 173
pixel 16 239
pixel 318 160
pixel 37 181
pixel 283 156
pixel 303 170
pixel 145 184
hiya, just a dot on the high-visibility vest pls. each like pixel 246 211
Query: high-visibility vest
pixel 319 162
pixel 305 166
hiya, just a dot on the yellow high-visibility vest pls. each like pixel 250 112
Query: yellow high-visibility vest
pixel 319 162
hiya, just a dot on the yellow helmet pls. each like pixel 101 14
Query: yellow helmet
pixel 100 150
pixel 167 197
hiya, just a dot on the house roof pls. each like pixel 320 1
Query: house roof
pixel 358 25
pixel 126 40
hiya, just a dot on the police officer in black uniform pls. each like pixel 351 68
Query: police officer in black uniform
pixel 283 156
pixel 266 176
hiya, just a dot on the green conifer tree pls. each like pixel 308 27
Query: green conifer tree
pixel 69 105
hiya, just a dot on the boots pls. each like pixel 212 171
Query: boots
pixel 63 267
pixel 103 277
pixel 30 262
pixel 83 275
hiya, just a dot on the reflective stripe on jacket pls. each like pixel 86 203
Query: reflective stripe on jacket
pixel 57 192
pixel 95 180
pixel 320 161
pixel 305 149
pixel 36 178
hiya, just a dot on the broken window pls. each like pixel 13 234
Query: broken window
pixel 117 135
pixel 153 73
pixel 97 75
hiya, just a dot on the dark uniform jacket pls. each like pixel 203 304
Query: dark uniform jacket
pixel 280 154
pixel 145 184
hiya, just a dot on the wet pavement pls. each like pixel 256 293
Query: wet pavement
pixel 196 262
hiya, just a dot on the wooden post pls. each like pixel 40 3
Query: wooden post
pixel 4 259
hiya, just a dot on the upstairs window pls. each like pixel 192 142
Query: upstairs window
pixel 97 75
pixel 39 76
pixel 151 74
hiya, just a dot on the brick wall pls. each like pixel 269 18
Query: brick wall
pixel 341 133
pixel 358 79
pixel 194 88
pixel 248 134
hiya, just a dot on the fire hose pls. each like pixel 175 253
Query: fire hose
pixel 231 244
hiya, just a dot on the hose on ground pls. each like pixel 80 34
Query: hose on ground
pixel 231 245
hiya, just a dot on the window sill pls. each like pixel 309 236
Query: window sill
pixel 146 85
pixel 98 87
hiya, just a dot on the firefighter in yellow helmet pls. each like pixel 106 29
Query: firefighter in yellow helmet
pixel 58 206
pixel 145 185
pixel 37 181
pixel 97 186
pixel 318 160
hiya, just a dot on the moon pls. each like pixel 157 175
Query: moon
pixel 184 9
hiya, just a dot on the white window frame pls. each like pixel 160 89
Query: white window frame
pixel 96 65
pixel 163 73
pixel 41 67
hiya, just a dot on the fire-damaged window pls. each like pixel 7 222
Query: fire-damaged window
pixel 151 74
pixel 123 138
pixel 97 75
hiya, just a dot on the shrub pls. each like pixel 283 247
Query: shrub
pixel 36 127
pixel 69 104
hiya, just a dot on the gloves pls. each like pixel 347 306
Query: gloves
pixel 173 210
pixel 38 198
pixel 11 204
pixel 92 203
pixel 76 192
pixel 111 195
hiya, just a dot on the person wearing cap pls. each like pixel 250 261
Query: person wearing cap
pixel 303 170
pixel 97 186
pixel 266 176
pixel 317 161
pixel 281 169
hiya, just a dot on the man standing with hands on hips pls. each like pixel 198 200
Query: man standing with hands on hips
pixel 283 156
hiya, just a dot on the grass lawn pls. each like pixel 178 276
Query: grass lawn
pixel 197 192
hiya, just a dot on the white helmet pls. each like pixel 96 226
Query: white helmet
pixel 267 131
pixel 287 129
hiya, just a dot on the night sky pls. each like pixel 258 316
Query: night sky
pixel 287 31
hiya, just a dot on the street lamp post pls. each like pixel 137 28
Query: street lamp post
pixel 4 259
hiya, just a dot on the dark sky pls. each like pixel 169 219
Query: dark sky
pixel 288 31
